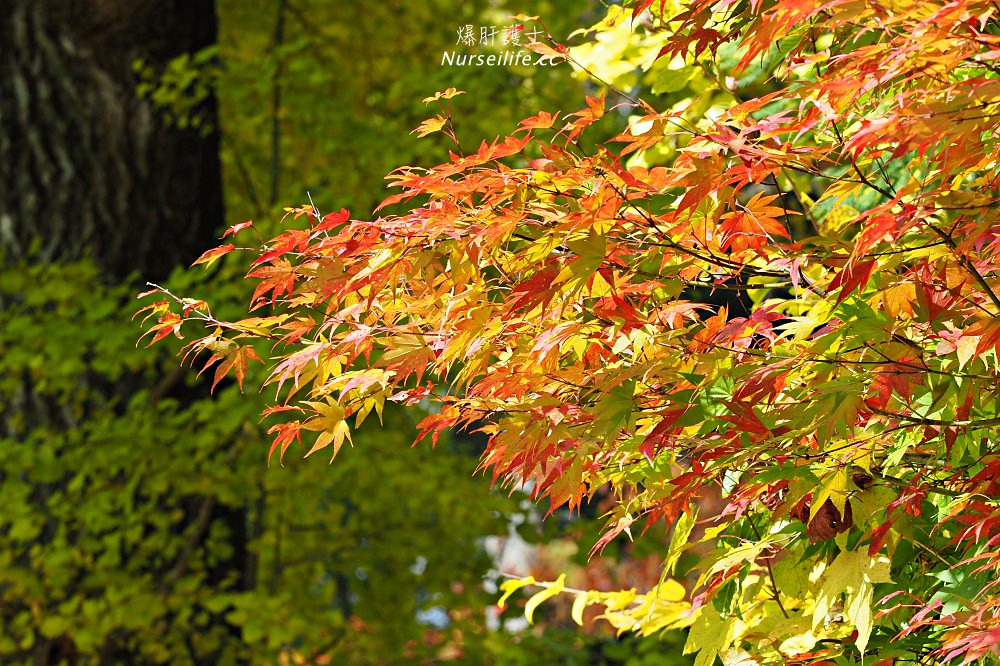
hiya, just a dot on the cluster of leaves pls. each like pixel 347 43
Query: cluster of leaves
pixel 183 90
pixel 550 293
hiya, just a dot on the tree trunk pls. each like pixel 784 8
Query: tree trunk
pixel 89 168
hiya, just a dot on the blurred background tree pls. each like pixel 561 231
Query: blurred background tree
pixel 141 524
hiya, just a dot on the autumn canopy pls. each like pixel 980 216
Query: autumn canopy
pixel 790 299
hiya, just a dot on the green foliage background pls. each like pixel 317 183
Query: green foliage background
pixel 140 522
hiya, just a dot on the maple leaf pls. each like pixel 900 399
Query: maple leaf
pixel 752 225
pixel 330 423
pixel 854 276
pixel 235 358
pixel 284 435
pixel 448 93
pixel 236 228
pixel 279 279
pixel 431 125
pixel 543 120
pixel 854 573
pixel 213 255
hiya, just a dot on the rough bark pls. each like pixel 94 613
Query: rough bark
pixel 89 168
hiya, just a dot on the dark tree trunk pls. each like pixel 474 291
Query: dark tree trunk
pixel 87 166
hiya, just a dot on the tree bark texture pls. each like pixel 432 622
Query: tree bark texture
pixel 88 168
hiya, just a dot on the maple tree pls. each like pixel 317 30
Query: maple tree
pixel 561 296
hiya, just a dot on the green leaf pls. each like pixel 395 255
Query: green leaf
pixel 710 634
pixel 853 574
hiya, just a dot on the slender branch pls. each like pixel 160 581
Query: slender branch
pixel 279 39
pixel 770 571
